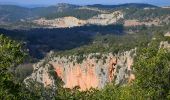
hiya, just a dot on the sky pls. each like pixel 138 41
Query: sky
pixel 84 2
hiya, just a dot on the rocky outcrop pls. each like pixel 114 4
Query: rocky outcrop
pixel 106 19
pixel 102 19
pixel 93 71
pixel 41 74
pixel 167 34
pixel 165 44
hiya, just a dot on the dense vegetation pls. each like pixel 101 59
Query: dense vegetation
pixel 109 43
pixel 78 13
pixel 40 41
pixel 10 56
pixel 146 14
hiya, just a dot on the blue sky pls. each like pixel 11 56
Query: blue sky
pixel 84 2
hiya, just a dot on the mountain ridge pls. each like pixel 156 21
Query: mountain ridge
pixel 14 13
pixel 92 5
pixel 141 5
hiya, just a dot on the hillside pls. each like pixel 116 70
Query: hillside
pixel 16 13
pixel 59 10
pixel 65 22
pixel 91 52
pixel 128 5
pixel 15 17
pixel 100 71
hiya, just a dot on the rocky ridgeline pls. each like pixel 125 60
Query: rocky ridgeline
pixel 93 71
pixel 102 19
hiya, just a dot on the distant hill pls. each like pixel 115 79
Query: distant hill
pixel 128 5
pixel 16 13
pixel 12 13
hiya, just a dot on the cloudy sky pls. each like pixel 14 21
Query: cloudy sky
pixel 84 2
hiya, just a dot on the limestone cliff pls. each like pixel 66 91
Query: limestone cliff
pixel 94 71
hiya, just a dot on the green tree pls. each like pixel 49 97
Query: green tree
pixel 152 71
pixel 11 54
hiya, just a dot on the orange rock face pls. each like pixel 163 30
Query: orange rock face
pixel 85 77
pixel 76 77
pixel 93 72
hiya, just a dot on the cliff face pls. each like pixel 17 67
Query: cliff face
pixel 94 71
